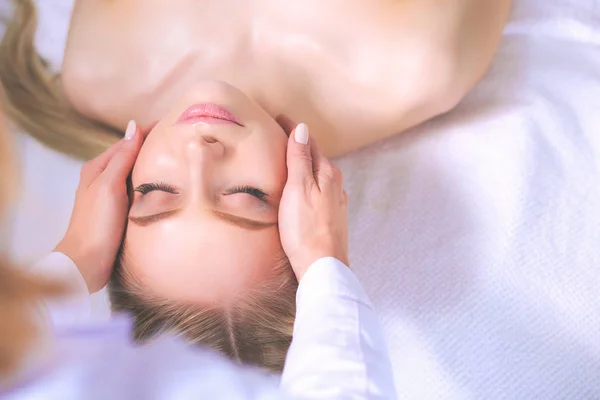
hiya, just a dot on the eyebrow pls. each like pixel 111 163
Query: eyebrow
pixel 244 223
pixel 154 218
pixel 240 222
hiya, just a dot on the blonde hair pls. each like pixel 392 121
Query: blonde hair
pixel 34 98
pixel 257 330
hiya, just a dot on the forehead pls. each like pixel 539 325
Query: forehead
pixel 199 260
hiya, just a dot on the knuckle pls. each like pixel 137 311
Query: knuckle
pixel 304 156
pixel 309 183
pixel 333 174
pixel 328 169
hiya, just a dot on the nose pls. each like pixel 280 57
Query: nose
pixel 209 139
pixel 204 156
pixel 206 146
pixel 213 145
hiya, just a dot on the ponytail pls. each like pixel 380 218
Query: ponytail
pixel 34 99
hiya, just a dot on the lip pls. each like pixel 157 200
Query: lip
pixel 209 114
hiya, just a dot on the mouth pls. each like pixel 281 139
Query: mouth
pixel 208 114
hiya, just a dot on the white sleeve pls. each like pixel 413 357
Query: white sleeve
pixel 338 350
pixel 76 307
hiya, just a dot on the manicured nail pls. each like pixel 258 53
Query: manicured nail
pixel 301 134
pixel 130 131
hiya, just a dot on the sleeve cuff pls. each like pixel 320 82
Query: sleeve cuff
pixel 328 276
pixel 59 266
pixel 75 307
pixel 338 349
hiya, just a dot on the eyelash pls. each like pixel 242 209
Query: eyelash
pixel 150 187
pixel 256 192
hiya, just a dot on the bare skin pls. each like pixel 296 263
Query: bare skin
pixel 355 71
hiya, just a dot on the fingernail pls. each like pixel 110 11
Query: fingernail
pixel 130 131
pixel 301 134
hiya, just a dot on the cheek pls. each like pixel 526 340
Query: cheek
pixel 268 170
pixel 156 157
pixel 271 156
pixel 145 155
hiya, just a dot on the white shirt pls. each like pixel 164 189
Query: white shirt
pixel 337 351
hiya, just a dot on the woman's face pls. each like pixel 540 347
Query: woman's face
pixel 207 183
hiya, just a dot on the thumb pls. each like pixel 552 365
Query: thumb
pixel 120 165
pixel 299 157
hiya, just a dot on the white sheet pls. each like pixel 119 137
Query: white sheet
pixel 477 235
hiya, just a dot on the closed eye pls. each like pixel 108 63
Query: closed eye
pixel 253 191
pixel 146 188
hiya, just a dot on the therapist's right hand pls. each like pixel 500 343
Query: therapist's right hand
pixel 99 215
pixel 313 211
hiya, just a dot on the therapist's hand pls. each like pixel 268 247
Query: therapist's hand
pixel 313 212
pixel 100 212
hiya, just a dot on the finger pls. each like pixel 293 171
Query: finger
pixel 299 157
pixel 317 158
pixel 330 179
pixel 93 168
pixel 120 165
pixel 324 170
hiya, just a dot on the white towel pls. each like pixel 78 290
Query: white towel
pixel 477 235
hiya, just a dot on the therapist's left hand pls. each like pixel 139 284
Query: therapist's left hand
pixel 100 212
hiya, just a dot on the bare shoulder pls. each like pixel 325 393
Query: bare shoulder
pixel 452 42
pixel 105 66
pixel 360 74
pixel 92 50
pixel 428 55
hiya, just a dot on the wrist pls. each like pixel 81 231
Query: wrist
pixel 80 259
